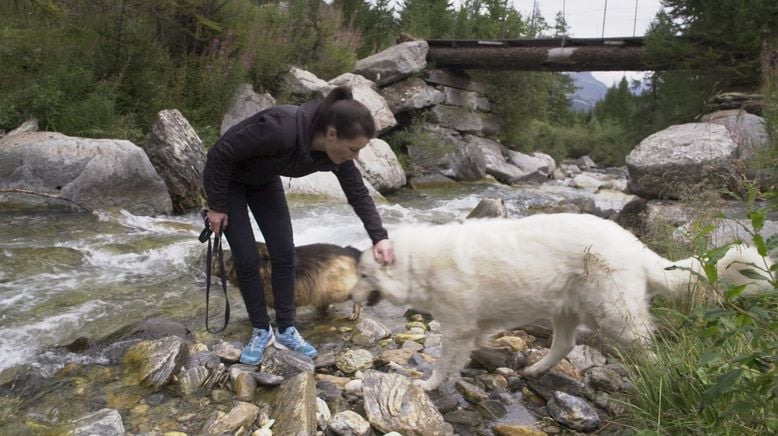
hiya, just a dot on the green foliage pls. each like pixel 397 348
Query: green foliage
pixel 602 141
pixel 427 18
pixel 715 367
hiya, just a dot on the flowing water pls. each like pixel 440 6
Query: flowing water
pixel 70 275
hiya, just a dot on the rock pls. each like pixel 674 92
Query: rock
pixel 354 360
pixel 516 430
pixel 323 414
pixel 440 150
pixel 242 415
pixel 668 162
pixel 178 155
pixel 30 125
pixel 103 422
pixel 153 363
pixel 411 94
pixel 227 351
pixel 491 359
pixel 245 387
pixel 245 104
pixel 455 79
pixel 489 208
pixel 604 379
pixel 348 423
pixel 748 130
pixel 471 392
pixel 189 380
pixel 464 120
pixel 303 83
pixel 294 406
pixel 394 63
pixel 573 412
pixel 285 363
pixel 401 356
pixel 584 357
pixel 393 403
pixel 322 184
pixel 380 166
pixel 53 170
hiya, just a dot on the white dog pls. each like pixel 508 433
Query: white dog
pixel 484 276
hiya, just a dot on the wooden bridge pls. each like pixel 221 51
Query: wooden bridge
pixel 552 54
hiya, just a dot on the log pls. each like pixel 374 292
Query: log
pixel 571 58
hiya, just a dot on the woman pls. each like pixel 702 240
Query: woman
pixel 243 169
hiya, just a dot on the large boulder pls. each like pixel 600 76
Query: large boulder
pixel 178 155
pixel 496 165
pixel 411 94
pixel 748 130
pixel 322 184
pixel 45 169
pixel 465 120
pixel 438 150
pixel 666 163
pixel 245 104
pixel 301 82
pixel 394 63
pixel 380 166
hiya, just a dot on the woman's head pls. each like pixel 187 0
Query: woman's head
pixel 342 126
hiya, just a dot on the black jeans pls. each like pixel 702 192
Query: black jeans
pixel 268 205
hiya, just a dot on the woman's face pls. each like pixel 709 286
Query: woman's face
pixel 340 150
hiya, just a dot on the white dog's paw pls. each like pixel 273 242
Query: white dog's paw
pixel 427 385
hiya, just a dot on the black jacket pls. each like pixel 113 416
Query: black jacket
pixel 277 142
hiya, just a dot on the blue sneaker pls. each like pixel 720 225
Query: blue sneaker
pixel 291 339
pixel 253 352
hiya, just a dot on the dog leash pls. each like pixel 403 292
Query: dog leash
pixel 213 250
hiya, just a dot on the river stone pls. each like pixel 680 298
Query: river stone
pixel 666 163
pixel 103 422
pixel 748 130
pixel 393 403
pixel 285 363
pixel 491 359
pixel 548 383
pixel 323 414
pixel 373 329
pixel 348 423
pixel 153 363
pixel 354 360
pixel 584 357
pixel 471 392
pixel 178 155
pixel 574 412
pixel 227 351
pixel 207 359
pixel 489 208
pixel 379 165
pixel 294 406
pixel 516 430
pixel 242 415
pixel 267 380
pixel 604 379
pixel 492 409
pixel 91 173
pixel 245 387
pixel 400 356
pixel 189 380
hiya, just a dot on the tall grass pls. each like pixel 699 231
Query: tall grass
pixel 716 352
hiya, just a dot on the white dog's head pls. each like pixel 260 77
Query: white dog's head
pixel 376 281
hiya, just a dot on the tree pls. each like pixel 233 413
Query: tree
pixel 427 18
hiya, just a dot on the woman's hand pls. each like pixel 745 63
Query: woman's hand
pixel 383 252
pixel 218 221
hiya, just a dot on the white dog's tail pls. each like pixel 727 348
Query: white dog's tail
pixel 667 277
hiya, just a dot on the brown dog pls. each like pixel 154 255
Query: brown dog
pixel 325 274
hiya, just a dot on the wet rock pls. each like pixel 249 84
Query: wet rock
pixel 286 363
pixel 294 405
pixel 393 403
pixel 401 356
pixel 471 392
pixel 202 358
pixel 267 380
pixel 102 422
pixel 339 382
pixel 492 409
pixel 189 380
pixel 153 363
pixel 242 415
pixel 462 416
pixel 354 360
pixel 494 382
pixel 354 387
pixel 245 387
pixel 573 412
pixel 228 352
pixel 514 343
pixel 550 382
pixel 516 430
pixel 326 359
pixel 408 336
pixel 489 208
pixel 348 423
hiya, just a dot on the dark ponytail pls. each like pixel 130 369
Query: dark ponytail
pixel 350 118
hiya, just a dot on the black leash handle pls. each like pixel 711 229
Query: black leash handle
pixel 214 250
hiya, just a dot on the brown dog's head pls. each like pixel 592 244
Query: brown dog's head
pixel 376 281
